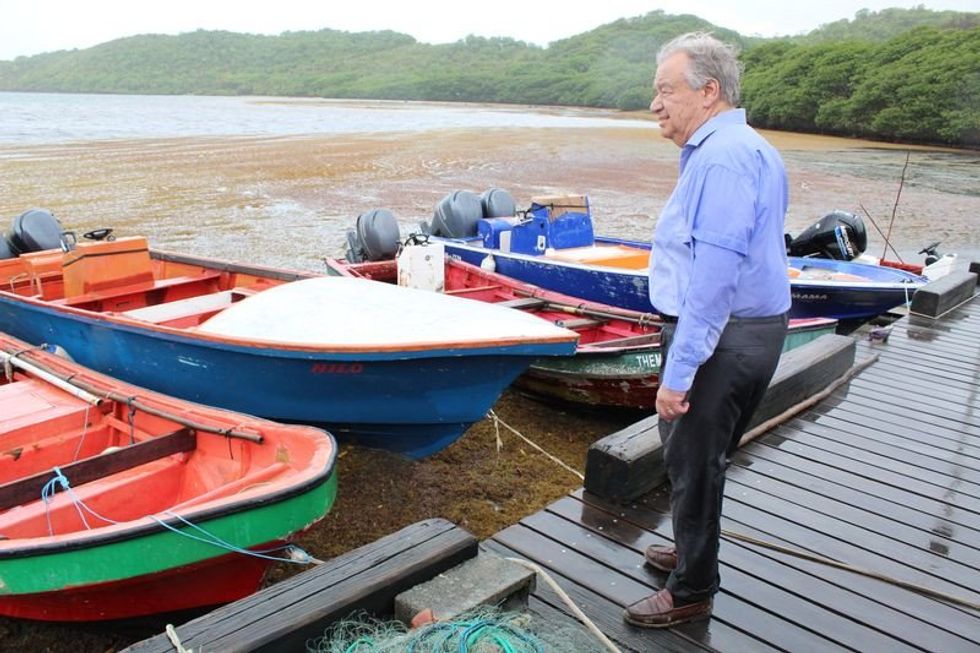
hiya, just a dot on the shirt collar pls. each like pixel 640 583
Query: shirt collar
pixel 723 119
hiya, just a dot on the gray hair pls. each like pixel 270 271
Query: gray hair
pixel 710 59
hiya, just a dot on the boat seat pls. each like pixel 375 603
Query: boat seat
pixel 523 303
pixel 139 288
pixel 188 307
pixel 614 256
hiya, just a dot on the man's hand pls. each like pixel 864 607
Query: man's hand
pixel 671 404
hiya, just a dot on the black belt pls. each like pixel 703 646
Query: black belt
pixel 672 319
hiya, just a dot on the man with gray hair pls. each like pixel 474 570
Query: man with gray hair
pixel 718 277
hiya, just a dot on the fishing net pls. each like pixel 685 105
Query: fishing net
pixel 486 630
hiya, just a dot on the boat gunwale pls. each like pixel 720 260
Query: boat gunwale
pixel 911 280
pixel 257 346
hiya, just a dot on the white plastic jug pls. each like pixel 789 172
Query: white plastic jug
pixel 423 267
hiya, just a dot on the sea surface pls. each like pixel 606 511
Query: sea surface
pixel 47 118
pixel 280 180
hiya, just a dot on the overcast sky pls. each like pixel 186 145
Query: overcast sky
pixel 31 26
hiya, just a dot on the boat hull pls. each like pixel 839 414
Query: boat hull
pixel 627 380
pixel 629 288
pixel 149 503
pixel 377 399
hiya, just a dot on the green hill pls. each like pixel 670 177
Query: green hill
pixel 872 76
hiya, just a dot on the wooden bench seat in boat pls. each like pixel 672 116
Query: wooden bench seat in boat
pixel 119 297
pixel 29 519
pixel 27 489
pixel 188 307
pixel 26 402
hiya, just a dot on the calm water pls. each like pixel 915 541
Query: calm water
pixel 251 176
pixel 45 118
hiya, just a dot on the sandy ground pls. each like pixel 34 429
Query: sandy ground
pixel 288 202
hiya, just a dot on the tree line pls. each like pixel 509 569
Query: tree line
pixel 909 75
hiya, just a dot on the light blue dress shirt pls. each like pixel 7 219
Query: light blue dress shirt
pixel 718 248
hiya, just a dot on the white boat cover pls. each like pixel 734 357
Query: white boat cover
pixel 341 311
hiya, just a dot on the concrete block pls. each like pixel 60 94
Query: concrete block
pixel 487 579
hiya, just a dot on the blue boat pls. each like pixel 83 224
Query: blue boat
pixel 396 368
pixel 558 251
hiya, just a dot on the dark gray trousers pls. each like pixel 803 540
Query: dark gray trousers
pixel 727 389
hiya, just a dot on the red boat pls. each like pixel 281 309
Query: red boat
pixel 617 361
pixel 118 502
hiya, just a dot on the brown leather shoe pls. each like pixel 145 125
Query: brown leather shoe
pixel 662 557
pixel 658 611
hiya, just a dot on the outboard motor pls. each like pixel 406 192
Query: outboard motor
pixel 456 216
pixel 498 203
pixel 6 251
pixel 838 235
pixel 375 237
pixel 33 231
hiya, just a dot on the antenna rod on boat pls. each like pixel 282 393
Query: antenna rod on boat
pixel 54 380
pixel 881 233
pixel 901 183
pixel 86 392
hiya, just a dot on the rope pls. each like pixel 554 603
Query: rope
pixel 830 562
pixel 569 602
pixel 295 554
pixel 47 495
pixel 81 440
pixel 175 640
pixel 492 415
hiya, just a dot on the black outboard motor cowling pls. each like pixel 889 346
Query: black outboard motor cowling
pixel 375 237
pixel 6 251
pixel 838 235
pixel 456 216
pixel 498 203
pixel 36 230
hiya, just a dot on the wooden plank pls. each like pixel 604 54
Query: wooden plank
pixel 925 468
pixel 952 517
pixel 523 303
pixel 923 447
pixel 761 473
pixel 914 412
pixel 629 463
pixel 926 393
pixel 608 615
pixel 797 597
pixel 181 308
pixel 905 615
pixel 861 547
pixel 888 472
pixel 910 545
pixel 595 563
pixel 937 297
pixel 87 470
pixel 284 616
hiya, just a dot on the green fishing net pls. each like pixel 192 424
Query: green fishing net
pixel 486 630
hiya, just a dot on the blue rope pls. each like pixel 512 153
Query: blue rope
pixel 47 492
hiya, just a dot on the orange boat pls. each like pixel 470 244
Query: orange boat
pixel 117 502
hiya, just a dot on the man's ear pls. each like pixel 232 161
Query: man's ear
pixel 711 92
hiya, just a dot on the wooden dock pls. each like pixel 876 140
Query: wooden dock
pixel 884 475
